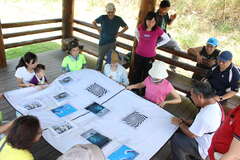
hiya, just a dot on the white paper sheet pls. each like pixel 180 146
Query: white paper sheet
pixel 83 106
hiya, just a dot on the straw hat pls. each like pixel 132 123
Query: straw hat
pixel 158 70
pixel 83 152
pixel 114 57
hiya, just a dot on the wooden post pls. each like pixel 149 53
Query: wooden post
pixel 3 62
pixel 145 7
pixel 67 19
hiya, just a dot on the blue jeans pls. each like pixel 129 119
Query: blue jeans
pixel 183 146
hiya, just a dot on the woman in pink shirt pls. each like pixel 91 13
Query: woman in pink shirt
pixel 147 35
pixel 157 87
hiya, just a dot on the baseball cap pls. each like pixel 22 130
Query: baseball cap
pixel 110 7
pixel 212 41
pixel 225 56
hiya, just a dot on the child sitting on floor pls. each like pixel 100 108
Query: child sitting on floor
pixel 157 87
pixel 75 60
pixel 39 78
pixel 115 70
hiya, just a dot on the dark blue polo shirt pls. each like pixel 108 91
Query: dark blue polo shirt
pixel 225 81
pixel 109 28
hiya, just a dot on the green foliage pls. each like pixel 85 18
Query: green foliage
pixel 35 48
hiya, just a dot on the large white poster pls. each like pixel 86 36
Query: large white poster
pixel 87 107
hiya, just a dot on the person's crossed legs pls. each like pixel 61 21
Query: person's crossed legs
pixel 182 146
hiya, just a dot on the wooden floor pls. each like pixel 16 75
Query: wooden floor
pixel 52 60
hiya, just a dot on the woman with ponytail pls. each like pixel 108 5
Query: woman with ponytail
pixel 25 69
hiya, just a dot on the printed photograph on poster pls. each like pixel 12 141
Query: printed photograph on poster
pixel 123 153
pixel 97 109
pixel 64 110
pixel 62 128
pixel 96 90
pixel 134 119
pixel 61 96
pixel 66 80
pixel 32 105
pixel 96 138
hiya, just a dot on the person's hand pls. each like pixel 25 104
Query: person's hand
pixel 211 62
pixel 162 104
pixel 118 34
pixel 176 121
pixel 217 98
pixel 99 30
pixel 199 58
pixel 30 85
pixel 173 16
pixel 43 86
pixel 129 87
pixel 111 77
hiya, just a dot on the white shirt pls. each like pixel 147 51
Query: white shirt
pixel 24 74
pixel 207 120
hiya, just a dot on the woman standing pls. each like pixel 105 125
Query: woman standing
pixel 147 35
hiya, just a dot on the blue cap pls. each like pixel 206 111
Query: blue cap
pixel 212 41
pixel 225 56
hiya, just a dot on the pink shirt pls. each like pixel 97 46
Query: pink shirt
pixel 148 41
pixel 157 92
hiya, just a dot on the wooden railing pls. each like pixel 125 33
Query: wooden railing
pixel 31 32
pixel 127 47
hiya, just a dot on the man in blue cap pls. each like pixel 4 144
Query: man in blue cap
pixel 208 52
pixel 224 77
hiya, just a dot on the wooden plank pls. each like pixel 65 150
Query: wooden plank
pixel 3 62
pixel 183 65
pixel 11 35
pixel 31 23
pixel 132 38
pixel 12 45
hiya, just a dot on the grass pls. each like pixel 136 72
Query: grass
pixel 35 48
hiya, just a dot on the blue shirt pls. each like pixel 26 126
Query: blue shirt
pixel 224 81
pixel 109 28
pixel 120 75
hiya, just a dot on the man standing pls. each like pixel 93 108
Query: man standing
pixel 108 30
pixel 194 141
pixel 163 20
pixel 224 77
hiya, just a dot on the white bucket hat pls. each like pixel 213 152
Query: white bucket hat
pixel 83 152
pixel 158 70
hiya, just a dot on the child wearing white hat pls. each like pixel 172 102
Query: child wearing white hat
pixel 157 86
